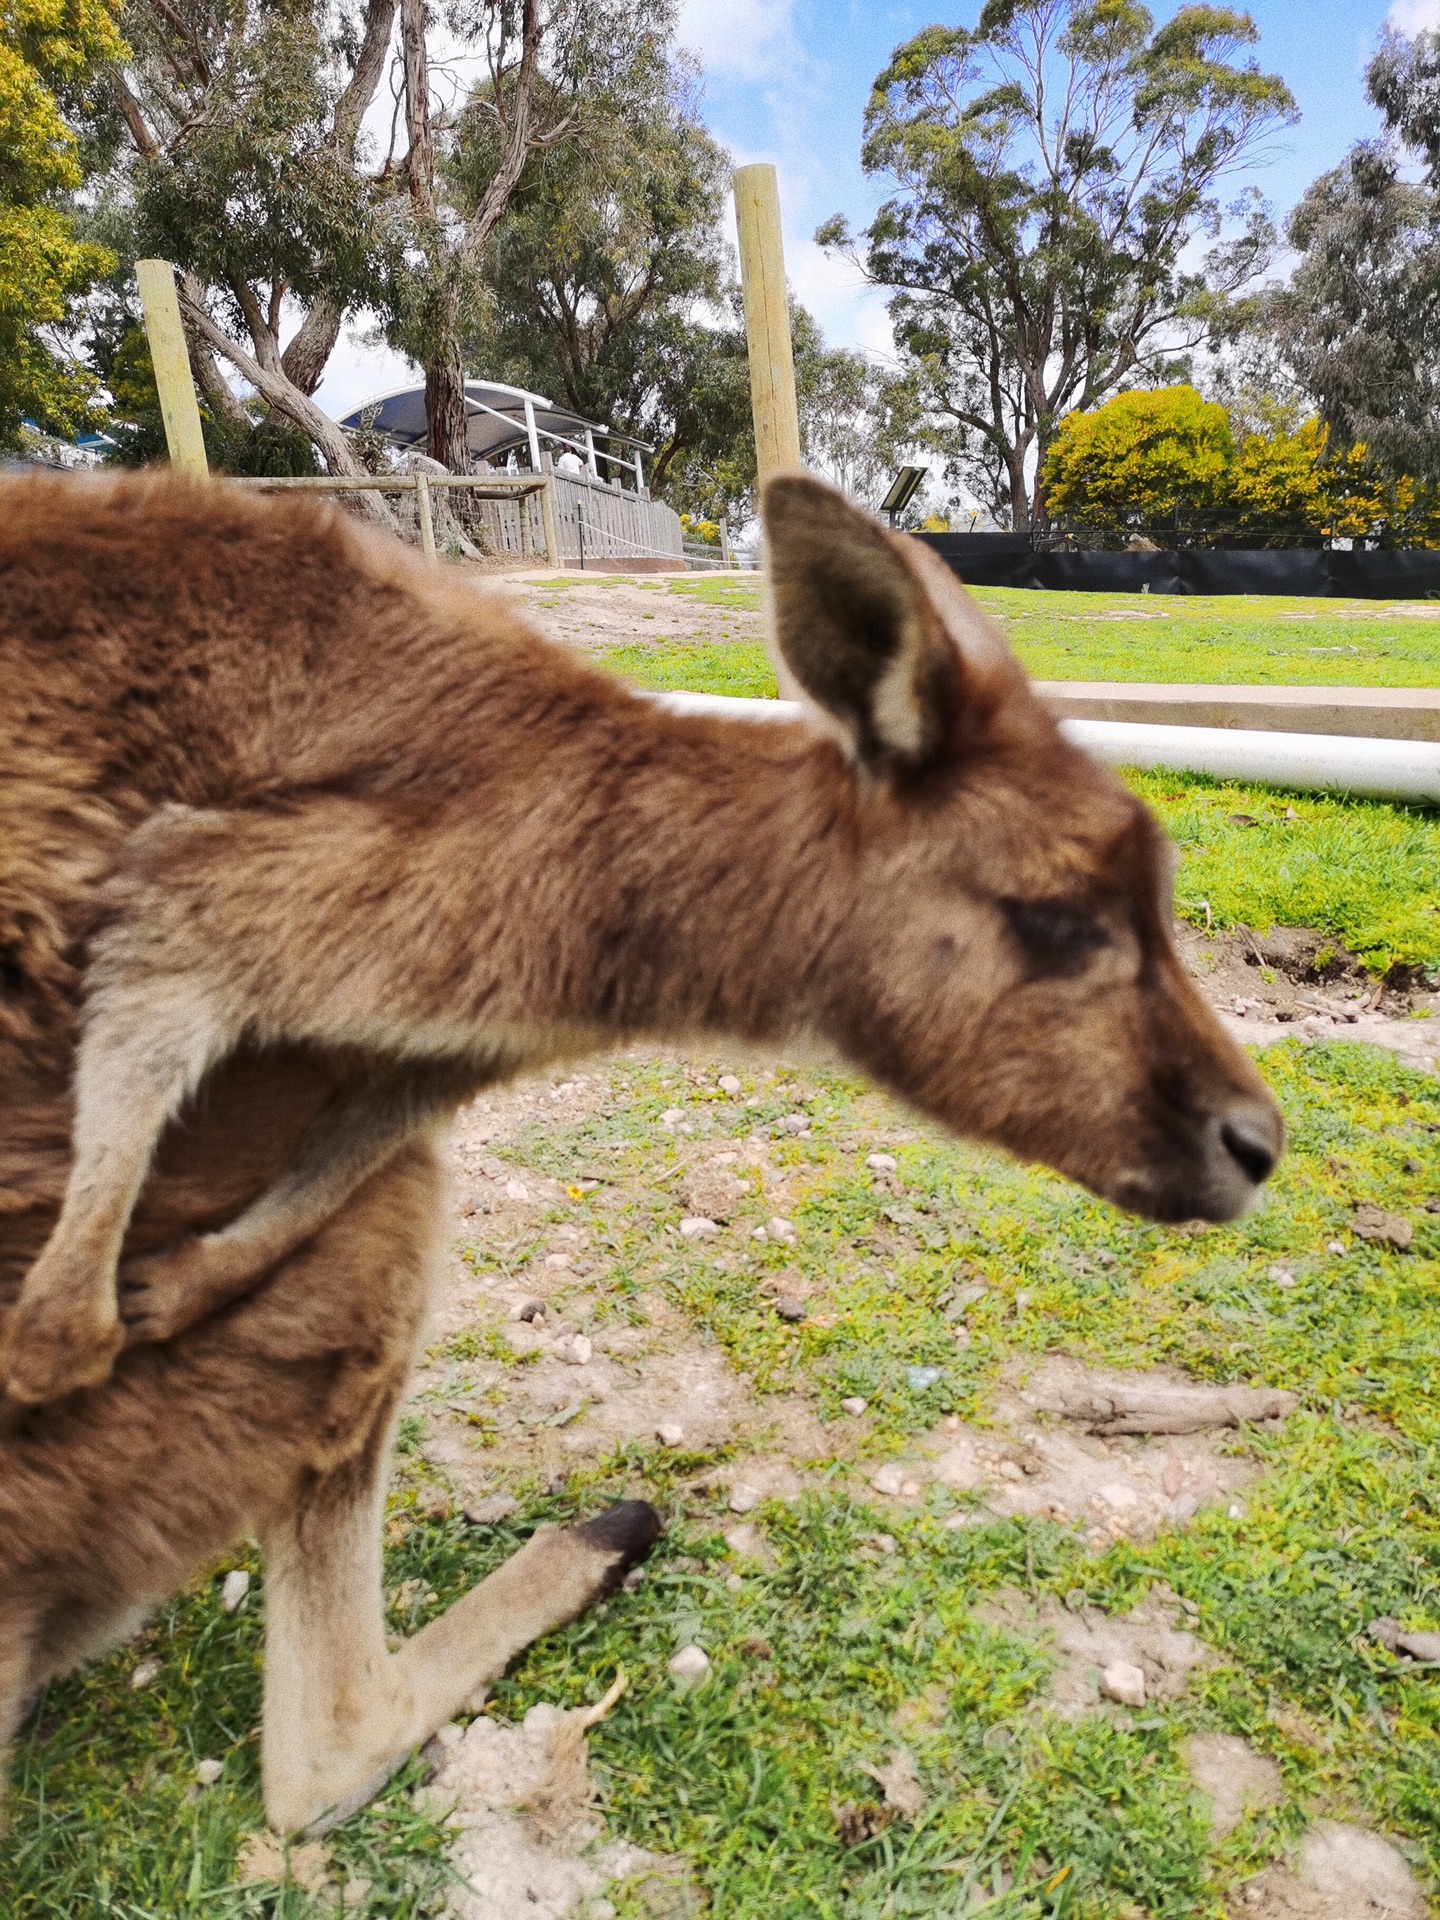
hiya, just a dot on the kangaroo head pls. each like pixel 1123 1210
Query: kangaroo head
pixel 1007 961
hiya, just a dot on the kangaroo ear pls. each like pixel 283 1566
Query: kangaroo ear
pixel 854 625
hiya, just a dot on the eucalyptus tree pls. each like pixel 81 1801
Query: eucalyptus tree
pixel 1053 168
pixel 238 152
pixel 608 275
pixel 1358 325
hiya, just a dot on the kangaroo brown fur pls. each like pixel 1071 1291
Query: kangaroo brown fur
pixel 269 785
pixel 712 878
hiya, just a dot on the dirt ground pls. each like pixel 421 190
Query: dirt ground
pixel 591 1384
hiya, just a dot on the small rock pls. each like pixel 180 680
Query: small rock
pixel 1235 1511
pixel 1119 1493
pixel 356 1890
pixel 783 1231
pixel 1419 1645
pixel 758 1233
pixel 233 1589
pixel 1334 1246
pixel 601 1910
pixel 911 1490
pixel 1383 1229
pixel 883 1542
pixel 921 1379
pixel 696 1227
pixel 888 1480
pixel 691 1664
pixel 491 1511
pixel 530 1310
pixel 794 1123
pixel 790 1309
pixel 882 1162
pixel 207 1772
pixel 727 1083
pixel 671 1118
pixel 1010 1471
pixel 1123 1682
pixel 669 1434
pixel 576 1351
pixel 1282 1276
pixel 971 1517
pixel 744 1498
pixel 516 1190
pixel 558 1262
pixel 144 1674
pixel 854 1406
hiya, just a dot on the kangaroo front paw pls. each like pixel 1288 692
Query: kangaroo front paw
pixel 159 1292
pixel 54 1347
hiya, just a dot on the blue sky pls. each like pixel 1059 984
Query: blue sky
pixel 787 81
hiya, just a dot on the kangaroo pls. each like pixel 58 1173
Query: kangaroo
pixel 408 829
pixel 266 778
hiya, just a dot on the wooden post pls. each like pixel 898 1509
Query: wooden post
pixel 171 360
pixel 424 514
pixel 726 559
pixel 767 319
pixel 547 513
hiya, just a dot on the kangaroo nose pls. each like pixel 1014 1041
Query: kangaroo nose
pixel 1253 1139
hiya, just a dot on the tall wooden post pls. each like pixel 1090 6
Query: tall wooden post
pixel 767 319
pixel 171 360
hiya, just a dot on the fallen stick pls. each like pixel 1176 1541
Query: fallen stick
pixel 1111 1407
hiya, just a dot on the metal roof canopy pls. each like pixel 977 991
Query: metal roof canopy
pixel 496 421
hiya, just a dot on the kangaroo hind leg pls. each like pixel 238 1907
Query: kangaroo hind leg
pixel 341 1712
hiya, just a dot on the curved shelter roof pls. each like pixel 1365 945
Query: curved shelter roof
pixel 496 419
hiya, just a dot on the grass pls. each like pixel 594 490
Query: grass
pixel 1224 640
pixel 814 1659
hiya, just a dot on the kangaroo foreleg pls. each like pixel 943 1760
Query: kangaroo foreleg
pixel 163 1293
pixel 147 1044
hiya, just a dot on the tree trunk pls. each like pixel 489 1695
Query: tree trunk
pixel 445 403
pixel 287 399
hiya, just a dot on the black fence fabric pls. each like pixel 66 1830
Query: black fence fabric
pixel 1010 560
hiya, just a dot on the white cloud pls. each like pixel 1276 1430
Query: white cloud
pixel 1414 16
pixel 743 39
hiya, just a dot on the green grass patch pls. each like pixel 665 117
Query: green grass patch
pixel 1221 640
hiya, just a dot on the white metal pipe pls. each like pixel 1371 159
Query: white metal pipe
pixel 1319 762
pixel 590 454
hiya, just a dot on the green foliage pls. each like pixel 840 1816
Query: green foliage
pixel 1054 165
pixel 1166 464
pixel 49 49
pixel 1359 321
pixel 1143 460
pixel 255 444
pixel 610 241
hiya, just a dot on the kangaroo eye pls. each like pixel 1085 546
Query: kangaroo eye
pixel 1056 937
